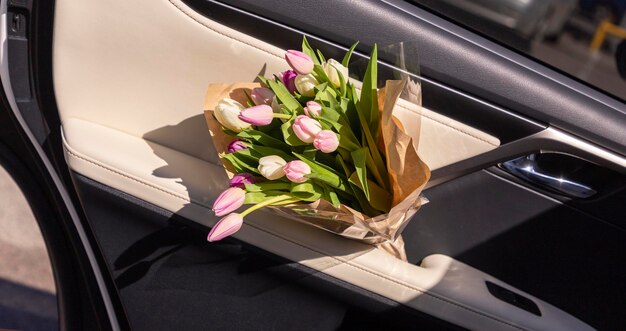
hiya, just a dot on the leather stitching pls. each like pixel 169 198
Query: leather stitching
pixel 82 158
pixel 323 254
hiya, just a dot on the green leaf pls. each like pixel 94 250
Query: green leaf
pixel 359 158
pixel 379 198
pixel 330 114
pixel 263 81
pixel 342 84
pixel 332 196
pixel 368 103
pixel 325 174
pixel 307 191
pixel 344 102
pixel 366 207
pixel 273 129
pixel 264 139
pixel 285 97
pixel 352 112
pixel 379 172
pixel 373 147
pixel 321 56
pixel 268 186
pixel 343 165
pixel 309 152
pixel 258 152
pixel 258 197
pixel 308 50
pixel 240 164
pixel 346 59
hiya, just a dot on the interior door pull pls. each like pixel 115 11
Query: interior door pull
pixel 527 168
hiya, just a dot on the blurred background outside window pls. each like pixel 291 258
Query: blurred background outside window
pixel 585 39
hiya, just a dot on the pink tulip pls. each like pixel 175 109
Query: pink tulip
pixel 306 128
pixel 299 62
pixel 326 141
pixel 296 171
pixel 230 200
pixel 239 180
pixel 313 109
pixel 289 79
pixel 262 96
pixel 236 145
pixel 225 227
pixel 257 115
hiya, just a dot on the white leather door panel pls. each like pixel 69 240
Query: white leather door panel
pixel 130 78
pixel 140 66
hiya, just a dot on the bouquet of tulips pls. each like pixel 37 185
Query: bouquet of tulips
pixel 308 145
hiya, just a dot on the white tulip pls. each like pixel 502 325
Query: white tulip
pixel 305 84
pixel 227 113
pixel 331 67
pixel 271 167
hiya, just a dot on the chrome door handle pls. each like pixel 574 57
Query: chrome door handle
pixel 526 168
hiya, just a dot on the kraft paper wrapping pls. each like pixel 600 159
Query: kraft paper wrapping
pixel 407 173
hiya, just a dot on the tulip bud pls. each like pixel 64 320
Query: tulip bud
pixel 236 145
pixel 271 167
pixel 326 141
pixel 331 67
pixel 225 227
pixel 313 109
pixel 296 171
pixel 257 115
pixel 240 180
pixel 305 84
pixel 262 96
pixel 306 128
pixel 299 62
pixel 227 113
pixel 230 200
pixel 288 77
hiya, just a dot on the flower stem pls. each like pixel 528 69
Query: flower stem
pixel 266 203
pixel 279 115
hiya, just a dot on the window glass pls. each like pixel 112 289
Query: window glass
pixel 583 38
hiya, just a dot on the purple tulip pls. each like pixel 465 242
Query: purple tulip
pixel 257 115
pixel 225 227
pixel 306 128
pixel 230 200
pixel 289 79
pixel 236 145
pixel 296 171
pixel 240 180
pixel 326 141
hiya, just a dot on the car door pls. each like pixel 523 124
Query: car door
pixel 524 228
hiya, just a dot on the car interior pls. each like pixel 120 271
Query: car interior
pixel 525 224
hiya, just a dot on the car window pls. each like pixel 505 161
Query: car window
pixel 585 39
